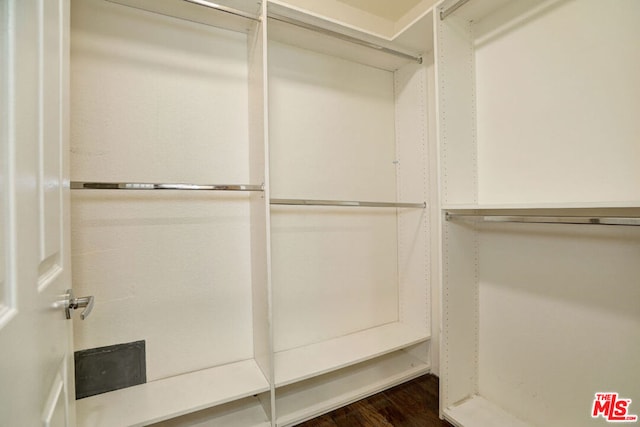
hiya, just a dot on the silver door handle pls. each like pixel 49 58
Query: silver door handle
pixel 72 303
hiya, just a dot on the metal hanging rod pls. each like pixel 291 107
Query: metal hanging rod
pixel 224 9
pixel 346 203
pixel 350 39
pixel 546 219
pixel 448 11
pixel 81 185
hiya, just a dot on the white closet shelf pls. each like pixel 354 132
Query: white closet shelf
pixel 197 11
pixel 542 205
pixel 409 44
pixel 308 399
pixel 594 213
pixel 316 359
pixel 247 412
pixel 470 10
pixel 545 219
pixel 171 397
pixel 479 412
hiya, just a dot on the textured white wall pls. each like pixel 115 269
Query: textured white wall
pixel 556 101
pixel 554 304
pixel 156 99
pixel 332 136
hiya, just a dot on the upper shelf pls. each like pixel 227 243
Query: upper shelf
pixel 326 35
pixel 303 28
pixel 234 15
pixel 600 213
pixel 540 206
pixel 469 10
pixel 545 219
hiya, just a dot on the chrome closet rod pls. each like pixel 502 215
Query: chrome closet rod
pixel 344 37
pixel 345 203
pixel 81 185
pixel 448 11
pixel 544 219
pixel 224 9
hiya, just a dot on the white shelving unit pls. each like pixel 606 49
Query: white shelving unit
pixel 162 92
pixel 535 102
pixel 253 314
pixel 262 314
pixel 351 310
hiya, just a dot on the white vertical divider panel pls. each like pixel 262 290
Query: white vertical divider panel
pixel 50 144
pixel 459 360
pixel 412 180
pixel 455 86
pixel 260 208
pixel 435 217
pixel 456 110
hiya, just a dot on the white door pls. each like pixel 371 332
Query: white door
pixel 36 387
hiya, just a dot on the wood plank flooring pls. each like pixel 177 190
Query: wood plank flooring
pixel 413 404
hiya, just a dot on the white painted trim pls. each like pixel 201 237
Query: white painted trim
pixel 10 310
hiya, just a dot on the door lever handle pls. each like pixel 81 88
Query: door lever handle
pixel 72 303
pixel 86 303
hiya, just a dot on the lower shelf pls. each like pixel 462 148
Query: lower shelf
pixel 247 412
pixel 479 412
pixel 316 359
pixel 308 399
pixel 171 397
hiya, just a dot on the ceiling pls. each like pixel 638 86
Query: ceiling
pixel 387 9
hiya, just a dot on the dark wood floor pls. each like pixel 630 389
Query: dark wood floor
pixel 413 404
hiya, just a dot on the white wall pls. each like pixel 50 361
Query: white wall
pixel 153 102
pixel 559 319
pixel 331 137
pixel 557 92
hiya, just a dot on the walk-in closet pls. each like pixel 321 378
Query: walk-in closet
pixel 251 198
pixel 286 208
